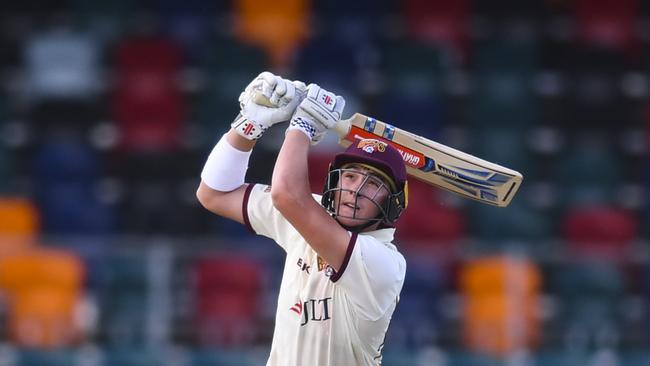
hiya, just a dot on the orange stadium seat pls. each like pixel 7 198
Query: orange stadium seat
pixel 277 26
pixel 43 288
pixel 501 314
pixel 19 222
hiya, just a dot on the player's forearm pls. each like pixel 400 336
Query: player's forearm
pixel 238 142
pixel 290 182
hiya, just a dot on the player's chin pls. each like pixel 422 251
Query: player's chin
pixel 349 221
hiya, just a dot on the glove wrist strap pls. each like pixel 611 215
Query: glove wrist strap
pixel 246 128
pixel 303 125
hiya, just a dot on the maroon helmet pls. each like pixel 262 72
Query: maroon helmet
pixel 384 160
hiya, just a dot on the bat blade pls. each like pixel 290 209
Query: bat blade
pixel 432 162
pixel 437 164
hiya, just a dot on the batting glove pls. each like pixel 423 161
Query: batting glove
pixel 283 97
pixel 317 113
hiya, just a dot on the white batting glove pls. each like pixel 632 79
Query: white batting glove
pixel 283 96
pixel 317 113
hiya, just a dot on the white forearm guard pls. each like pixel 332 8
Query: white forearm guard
pixel 225 169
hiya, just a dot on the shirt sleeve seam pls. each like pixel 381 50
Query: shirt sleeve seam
pixel 247 194
pixel 348 254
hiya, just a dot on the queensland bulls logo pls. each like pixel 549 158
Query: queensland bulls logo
pixel 371 145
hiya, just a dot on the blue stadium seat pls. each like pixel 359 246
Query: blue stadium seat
pixel 331 65
pixel 560 358
pixel 6 169
pixel 226 357
pixel 30 357
pixel 464 358
pixel 640 357
pixel 417 319
pixel 503 95
pixel 137 356
pixel 590 173
pixel 519 221
pixel 123 299
pixel 228 66
pixel 66 174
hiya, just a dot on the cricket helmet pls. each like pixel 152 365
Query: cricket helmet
pixel 383 160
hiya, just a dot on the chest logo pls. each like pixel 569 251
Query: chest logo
pixel 313 310
pixel 303 265
pixel 322 265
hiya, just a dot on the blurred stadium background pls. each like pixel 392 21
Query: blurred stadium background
pixel 108 109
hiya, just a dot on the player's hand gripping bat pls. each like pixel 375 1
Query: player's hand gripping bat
pixel 432 162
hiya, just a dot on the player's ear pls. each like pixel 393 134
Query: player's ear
pixel 406 194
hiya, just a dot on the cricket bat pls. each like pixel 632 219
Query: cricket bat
pixel 434 163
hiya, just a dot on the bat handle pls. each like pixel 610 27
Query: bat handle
pixel 261 99
pixel 342 128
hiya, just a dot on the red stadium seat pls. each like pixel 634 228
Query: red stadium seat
pixel 600 230
pixel 608 23
pixel 148 106
pixel 441 22
pixel 318 167
pixel 228 292
pixel 426 221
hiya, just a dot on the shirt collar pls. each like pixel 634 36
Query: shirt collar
pixel 384 235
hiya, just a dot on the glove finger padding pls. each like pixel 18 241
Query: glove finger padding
pixel 319 111
pixel 324 106
pixel 283 96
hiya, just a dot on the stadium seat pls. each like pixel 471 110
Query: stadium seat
pixel 518 222
pixel 122 294
pixel 6 169
pixel 61 64
pixel 439 22
pixel 418 318
pixel 43 288
pixel 278 27
pixel 148 107
pixel 229 65
pixel 189 22
pixel 600 231
pixel 415 74
pixel 581 183
pixel 232 357
pixel 590 294
pixel 427 223
pixel 469 358
pixel 68 173
pixel 562 357
pixel 19 223
pixel 608 23
pixel 638 357
pixel 500 291
pixel 334 66
pixel 488 144
pixel 105 20
pixel 503 96
pixel 140 356
pixel 414 68
pixel 35 357
pixel 227 292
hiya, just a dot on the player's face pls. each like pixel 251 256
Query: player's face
pixel 360 196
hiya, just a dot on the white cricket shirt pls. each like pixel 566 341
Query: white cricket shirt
pixel 324 317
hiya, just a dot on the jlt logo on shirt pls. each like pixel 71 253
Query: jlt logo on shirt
pixel 315 310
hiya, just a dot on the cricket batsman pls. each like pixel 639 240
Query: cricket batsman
pixel 342 275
